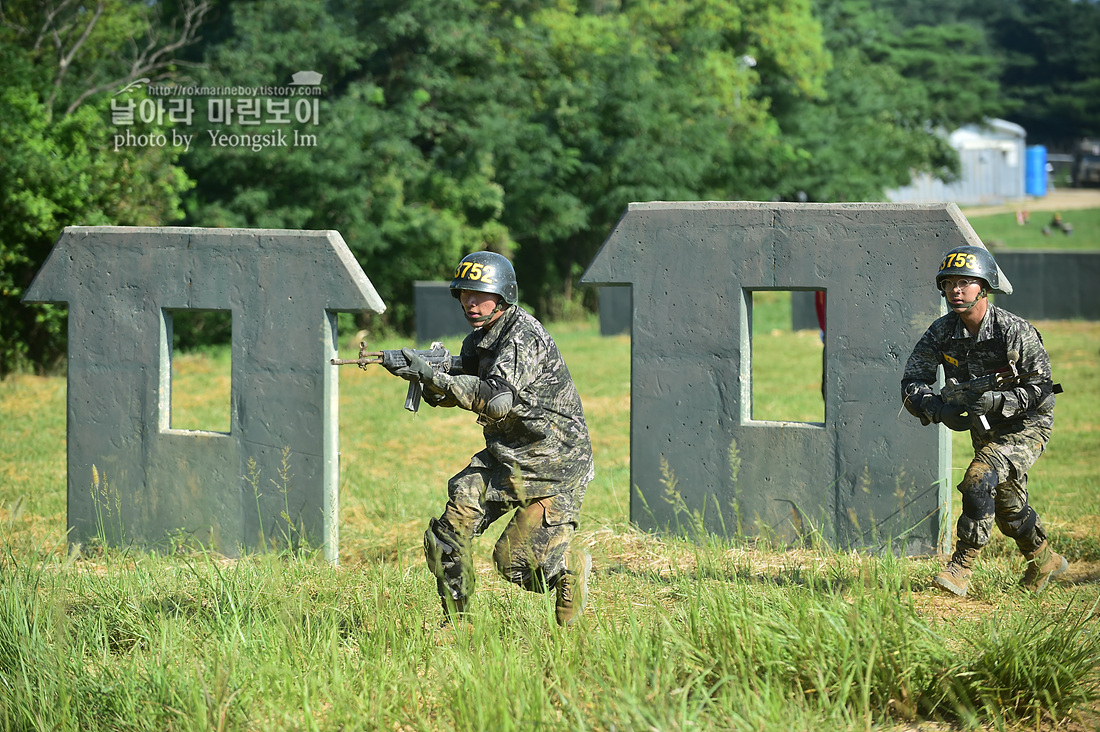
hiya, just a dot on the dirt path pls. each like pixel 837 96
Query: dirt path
pixel 1062 199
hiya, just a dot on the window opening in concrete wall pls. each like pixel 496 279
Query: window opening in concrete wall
pixel 196 380
pixel 787 364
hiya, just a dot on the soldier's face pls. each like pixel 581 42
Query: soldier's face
pixel 960 291
pixel 477 305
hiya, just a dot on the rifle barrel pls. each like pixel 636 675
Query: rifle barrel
pixel 356 361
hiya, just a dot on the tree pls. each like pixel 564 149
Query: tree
pixel 1048 55
pixel 1051 74
pixel 398 166
pixel 528 127
pixel 61 159
pixel 890 95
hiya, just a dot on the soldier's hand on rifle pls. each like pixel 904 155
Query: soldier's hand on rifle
pixel 417 370
pixel 991 402
pixel 955 418
pixel 947 414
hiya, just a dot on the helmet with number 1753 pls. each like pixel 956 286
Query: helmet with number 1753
pixel 486 272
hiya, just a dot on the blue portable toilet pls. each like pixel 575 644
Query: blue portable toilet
pixel 1035 176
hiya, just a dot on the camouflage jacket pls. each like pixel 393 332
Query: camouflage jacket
pixel 543 435
pixel 947 342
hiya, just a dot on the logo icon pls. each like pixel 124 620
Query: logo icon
pixel 135 84
pixel 306 78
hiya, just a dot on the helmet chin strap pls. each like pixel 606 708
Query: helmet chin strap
pixel 968 305
pixel 483 319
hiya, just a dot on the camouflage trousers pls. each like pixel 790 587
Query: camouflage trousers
pixel 994 489
pixel 531 550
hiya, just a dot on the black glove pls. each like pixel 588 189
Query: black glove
pixel 991 402
pixel 930 407
pixel 912 403
pixel 417 370
pixel 953 417
pixel 947 414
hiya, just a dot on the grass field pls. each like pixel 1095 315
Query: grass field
pixel 679 635
pixel 1002 231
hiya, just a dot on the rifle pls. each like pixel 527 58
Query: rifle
pixel 438 357
pixel 963 394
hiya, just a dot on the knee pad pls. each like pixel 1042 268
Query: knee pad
pixel 1015 518
pixel 515 562
pixel 978 490
pixel 439 542
pixel 1019 526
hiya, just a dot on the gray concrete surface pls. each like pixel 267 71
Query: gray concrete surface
pixel 438 313
pixel 157 485
pixel 866 477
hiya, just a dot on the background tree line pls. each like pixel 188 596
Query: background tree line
pixel 520 126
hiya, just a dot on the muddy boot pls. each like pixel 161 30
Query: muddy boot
pixel 1043 565
pixel 454 611
pixel 955 577
pixel 572 592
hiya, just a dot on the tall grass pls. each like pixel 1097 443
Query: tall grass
pixel 270 643
pixel 680 635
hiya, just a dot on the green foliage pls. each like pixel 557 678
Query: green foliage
pixel 888 90
pixel 399 166
pixel 523 128
pixel 57 173
pixel 60 164
pixel 1050 68
pixel 1052 73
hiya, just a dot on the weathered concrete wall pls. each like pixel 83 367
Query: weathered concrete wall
pixel 616 310
pixel 803 314
pixel 864 476
pixel 1052 285
pixel 283 289
pixel 438 314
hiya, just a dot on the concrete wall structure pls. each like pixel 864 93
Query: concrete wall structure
pixel 438 313
pixel 1052 285
pixel 153 483
pixel 803 312
pixel 865 477
pixel 616 310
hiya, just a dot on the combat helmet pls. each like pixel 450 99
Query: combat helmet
pixel 972 261
pixel 486 272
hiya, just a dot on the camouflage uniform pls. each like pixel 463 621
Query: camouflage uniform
pixel 537 459
pixel 995 485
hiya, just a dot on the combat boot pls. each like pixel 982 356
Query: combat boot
pixel 453 610
pixel 955 577
pixel 572 591
pixel 1043 565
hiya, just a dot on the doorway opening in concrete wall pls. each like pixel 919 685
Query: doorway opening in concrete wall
pixel 197 370
pixel 788 355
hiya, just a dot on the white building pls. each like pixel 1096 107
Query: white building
pixel 993 162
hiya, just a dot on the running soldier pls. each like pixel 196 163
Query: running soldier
pixel 973 340
pixel 537 457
